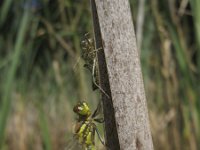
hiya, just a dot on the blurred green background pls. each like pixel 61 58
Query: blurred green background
pixel 42 77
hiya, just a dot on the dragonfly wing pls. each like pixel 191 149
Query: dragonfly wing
pixel 73 144
pixel 98 110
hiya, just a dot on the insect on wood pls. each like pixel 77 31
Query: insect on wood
pixel 89 55
pixel 85 127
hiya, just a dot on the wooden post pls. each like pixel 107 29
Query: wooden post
pixel 126 116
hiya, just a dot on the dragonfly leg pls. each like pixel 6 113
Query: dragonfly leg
pixel 94 80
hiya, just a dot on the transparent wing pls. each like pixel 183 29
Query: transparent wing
pixel 98 110
pixel 73 144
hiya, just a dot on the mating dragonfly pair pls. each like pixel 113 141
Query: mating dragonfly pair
pixel 85 127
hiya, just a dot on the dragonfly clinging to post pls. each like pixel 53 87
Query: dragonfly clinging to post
pixel 85 127
pixel 89 55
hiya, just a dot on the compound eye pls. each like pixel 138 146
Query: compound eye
pixel 76 109
pixel 80 108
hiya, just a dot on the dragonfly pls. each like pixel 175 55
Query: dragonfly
pixel 89 55
pixel 85 128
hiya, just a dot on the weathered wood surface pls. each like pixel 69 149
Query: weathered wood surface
pixel 114 31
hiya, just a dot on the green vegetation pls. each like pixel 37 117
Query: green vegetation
pixel 42 76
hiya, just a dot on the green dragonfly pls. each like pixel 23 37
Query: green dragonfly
pixel 85 127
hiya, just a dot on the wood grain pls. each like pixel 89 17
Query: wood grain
pixel 122 68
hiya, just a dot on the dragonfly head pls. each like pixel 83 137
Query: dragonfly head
pixel 87 42
pixel 82 109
